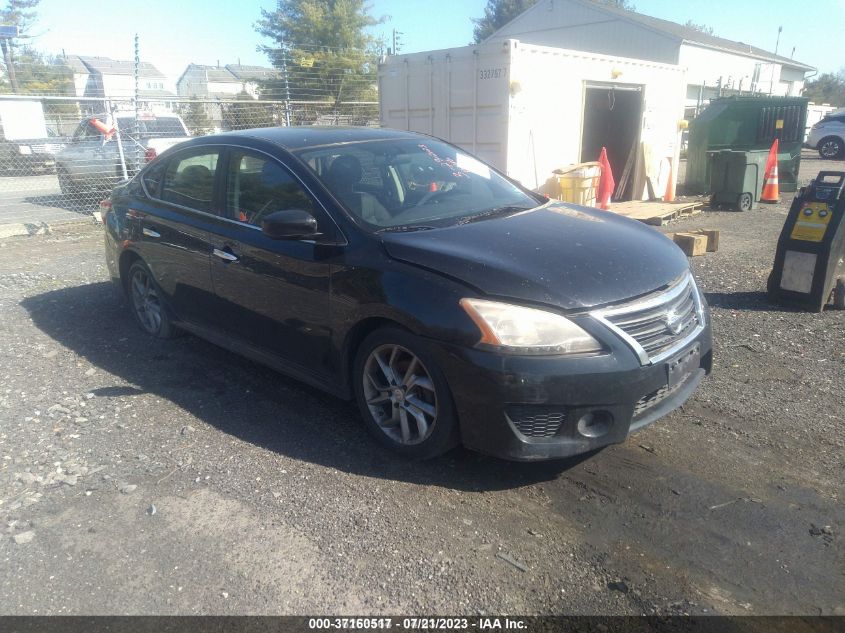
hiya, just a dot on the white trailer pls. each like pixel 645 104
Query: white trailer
pixel 22 120
pixel 530 109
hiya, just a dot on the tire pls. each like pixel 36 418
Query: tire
pixel 744 202
pixel 66 185
pixel 831 148
pixel 145 301
pixel 409 411
pixel 839 294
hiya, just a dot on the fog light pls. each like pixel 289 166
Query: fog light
pixel 595 423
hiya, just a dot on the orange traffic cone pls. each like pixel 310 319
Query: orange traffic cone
pixel 669 196
pixel 606 182
pixel 771 191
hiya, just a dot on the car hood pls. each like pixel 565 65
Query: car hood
pixel 564 255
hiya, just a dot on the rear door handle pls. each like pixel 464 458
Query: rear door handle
pixel 150 232
pixel 226 256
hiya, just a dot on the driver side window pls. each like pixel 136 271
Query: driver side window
pixel 258 186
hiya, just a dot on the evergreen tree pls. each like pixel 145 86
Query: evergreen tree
pixel 196 118
pixel 323 47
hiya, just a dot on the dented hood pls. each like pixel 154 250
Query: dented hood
pixel 563 255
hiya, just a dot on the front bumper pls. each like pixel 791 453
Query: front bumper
pixel 535 408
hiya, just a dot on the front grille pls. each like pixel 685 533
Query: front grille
pixel 533 421
pixel 658 323
pixel 654 398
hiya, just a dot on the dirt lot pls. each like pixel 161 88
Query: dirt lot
pixel 149 477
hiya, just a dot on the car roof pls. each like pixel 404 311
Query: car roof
pixel 295 138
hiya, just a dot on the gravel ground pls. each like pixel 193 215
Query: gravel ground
pixel 140 476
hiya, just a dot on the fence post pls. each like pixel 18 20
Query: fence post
pixel 136 132
pixel 287 86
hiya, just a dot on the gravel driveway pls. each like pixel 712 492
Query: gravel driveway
pixel 141 476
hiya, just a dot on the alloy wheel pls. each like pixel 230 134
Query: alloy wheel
pixel 830 148
pixel 146 301
pixel 400 394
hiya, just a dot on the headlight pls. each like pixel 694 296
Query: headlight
pixel 24 149
pixel 527 330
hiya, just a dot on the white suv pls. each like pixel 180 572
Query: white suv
pixel 828 135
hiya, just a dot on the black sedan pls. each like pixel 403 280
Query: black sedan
pixel 454 305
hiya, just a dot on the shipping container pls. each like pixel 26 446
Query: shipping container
pixel 529 109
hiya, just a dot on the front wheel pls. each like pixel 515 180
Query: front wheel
pixel 66 184
pixel 403 396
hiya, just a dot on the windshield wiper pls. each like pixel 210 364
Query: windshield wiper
pixel 406 228
pixel 489 213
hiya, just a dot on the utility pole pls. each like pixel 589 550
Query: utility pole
pixel 772 79
pixel 6 35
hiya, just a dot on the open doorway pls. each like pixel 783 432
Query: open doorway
pixel 612 119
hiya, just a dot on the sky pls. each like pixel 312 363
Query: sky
pixel 173 33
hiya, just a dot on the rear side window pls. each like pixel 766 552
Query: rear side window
pixel 189 181
pixel 152 178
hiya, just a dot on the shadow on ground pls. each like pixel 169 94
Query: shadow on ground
pixel 78 203
pixel 249 401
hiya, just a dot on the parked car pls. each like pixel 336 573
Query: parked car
pixel 828 136
pixel 30 156
pixel 390 267
pixel 91 161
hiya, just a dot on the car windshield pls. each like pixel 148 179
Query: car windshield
pixel 410 184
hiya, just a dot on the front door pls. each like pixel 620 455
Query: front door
pixel 274 294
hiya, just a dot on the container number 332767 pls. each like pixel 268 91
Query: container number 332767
pixel 490 73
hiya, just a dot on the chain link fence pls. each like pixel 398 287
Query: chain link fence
pixel 67 153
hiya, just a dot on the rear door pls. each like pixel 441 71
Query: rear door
pixel 179 224
pixel 274 294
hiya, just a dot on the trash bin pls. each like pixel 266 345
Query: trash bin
pixel 736 178
pixel 747 123
pixel 577 184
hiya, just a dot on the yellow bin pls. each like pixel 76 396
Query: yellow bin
pixel 577 184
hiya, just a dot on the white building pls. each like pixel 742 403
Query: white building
pixel 216 82
pixel 115 79
pixel 713 64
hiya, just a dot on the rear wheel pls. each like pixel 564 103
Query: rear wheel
pixel 146 302
pixel 839 294
pixel 403 396
pixel 831 148
pixel 744 202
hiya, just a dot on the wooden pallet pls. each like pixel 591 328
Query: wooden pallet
pixel 656 213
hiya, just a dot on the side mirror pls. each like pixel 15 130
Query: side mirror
pixel 290 224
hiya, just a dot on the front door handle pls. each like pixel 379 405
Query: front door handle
pixel 226 256
pixel 150 232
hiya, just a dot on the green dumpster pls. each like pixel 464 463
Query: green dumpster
pixel 736 178
pixel 747 123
